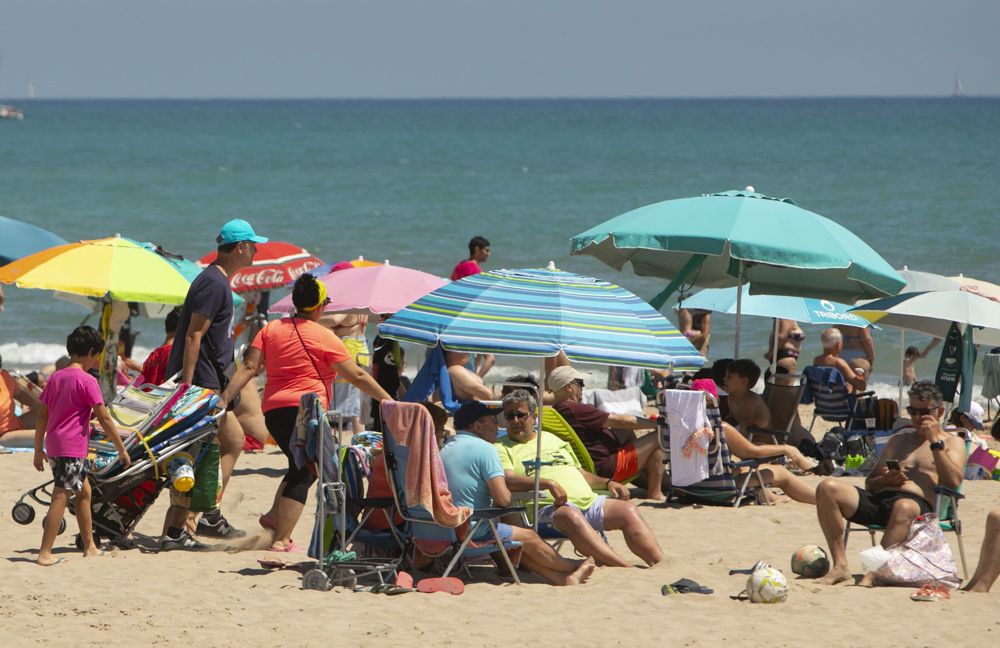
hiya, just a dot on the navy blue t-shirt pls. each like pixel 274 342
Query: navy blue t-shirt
pixel 210 296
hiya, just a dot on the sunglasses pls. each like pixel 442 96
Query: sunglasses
pixel 516 416
pixel 578 383
pixel 920 411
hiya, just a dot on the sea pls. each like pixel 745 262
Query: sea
pixel 411 181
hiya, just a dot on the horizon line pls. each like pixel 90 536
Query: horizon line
pixel 506 98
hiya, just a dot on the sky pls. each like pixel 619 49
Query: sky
pixel 498 48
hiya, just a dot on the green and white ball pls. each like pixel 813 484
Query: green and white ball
pixel 767 585
pixel 810 561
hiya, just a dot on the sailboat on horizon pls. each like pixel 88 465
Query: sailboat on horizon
pixel 957 92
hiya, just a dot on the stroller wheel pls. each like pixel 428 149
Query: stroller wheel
pixel 316 579
pixel 23 513
pixel 344 577
pixel 78 541
pixel 62 526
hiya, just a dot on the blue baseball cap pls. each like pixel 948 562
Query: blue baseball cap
pixel 471 412
pixel 238 230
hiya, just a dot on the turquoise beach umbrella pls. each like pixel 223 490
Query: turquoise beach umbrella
pixel 741 237
pixel 800 309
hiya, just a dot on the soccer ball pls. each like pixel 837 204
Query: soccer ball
pixel 810 561
pixel 767 585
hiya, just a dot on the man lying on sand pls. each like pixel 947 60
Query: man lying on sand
pixel 576 510
pixel 901 484
pixel 476 480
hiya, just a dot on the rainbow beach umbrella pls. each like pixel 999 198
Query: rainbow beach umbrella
pixel 116 270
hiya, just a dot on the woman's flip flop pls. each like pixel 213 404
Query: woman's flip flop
pixel 449 584
pixel 931 593
pixel 685 586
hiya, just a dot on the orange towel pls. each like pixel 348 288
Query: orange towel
pixel 426 482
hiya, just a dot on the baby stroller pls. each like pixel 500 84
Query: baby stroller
pixel 156 424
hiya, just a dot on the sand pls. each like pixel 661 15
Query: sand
pixel 225 599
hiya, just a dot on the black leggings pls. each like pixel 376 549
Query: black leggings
pixel 281 425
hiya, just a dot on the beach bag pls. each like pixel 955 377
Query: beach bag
pixel 924 558
pixel 207 489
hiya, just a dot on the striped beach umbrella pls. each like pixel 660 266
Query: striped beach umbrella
pixel 538 313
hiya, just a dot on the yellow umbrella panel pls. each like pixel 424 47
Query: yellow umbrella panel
pixel 112 267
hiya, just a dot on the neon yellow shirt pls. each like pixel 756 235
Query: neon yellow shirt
pixel 565 468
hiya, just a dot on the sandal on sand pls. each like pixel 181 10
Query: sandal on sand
pixel 291 547
pixel 404 579
pixel 760 564
pixel 685 586
pixel 931 593
pixel 449 584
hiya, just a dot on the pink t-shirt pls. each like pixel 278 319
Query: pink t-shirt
pixel 465 268
pixel 70 396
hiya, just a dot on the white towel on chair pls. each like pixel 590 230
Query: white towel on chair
pixel 690 436
pixel 631 401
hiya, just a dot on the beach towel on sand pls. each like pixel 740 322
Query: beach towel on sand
pixel 426 482
pixel 690 436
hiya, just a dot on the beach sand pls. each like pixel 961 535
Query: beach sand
pixel 225 599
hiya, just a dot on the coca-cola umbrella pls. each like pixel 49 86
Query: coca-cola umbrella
pixel 373 290
pixel 275 265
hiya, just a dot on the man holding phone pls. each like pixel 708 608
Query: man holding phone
pixel 900 486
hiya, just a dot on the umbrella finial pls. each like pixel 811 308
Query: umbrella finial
pixel 751 189
pixel 386 262
pixel 551 266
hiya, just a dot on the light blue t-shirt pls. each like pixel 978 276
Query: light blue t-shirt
pixel 469 462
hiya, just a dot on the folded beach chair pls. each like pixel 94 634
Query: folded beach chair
pixel 437 527
pixel 946 508
pixel 725 485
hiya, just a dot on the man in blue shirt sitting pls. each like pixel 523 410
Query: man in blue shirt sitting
pixel 476 480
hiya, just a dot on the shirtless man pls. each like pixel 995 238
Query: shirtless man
pixel 747 408
pixel 465 383
pixel 900 486
pixel 350 328
pixel 833 344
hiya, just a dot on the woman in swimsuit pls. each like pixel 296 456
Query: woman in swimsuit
pixel 789 342
pixel 859 349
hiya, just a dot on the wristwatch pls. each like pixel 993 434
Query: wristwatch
pixel 937 445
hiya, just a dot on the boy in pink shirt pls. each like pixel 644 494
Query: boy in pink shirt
pixel 71 397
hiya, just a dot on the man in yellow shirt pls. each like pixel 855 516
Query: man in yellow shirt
pixel 574 509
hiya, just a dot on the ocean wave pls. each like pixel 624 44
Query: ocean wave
pixel 34 355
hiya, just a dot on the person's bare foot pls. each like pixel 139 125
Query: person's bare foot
pixel 582 573
pixel 976 588
pixel 868 580
pixel 49 560
pixel 93 551
pixel 656 497
pixel 836 575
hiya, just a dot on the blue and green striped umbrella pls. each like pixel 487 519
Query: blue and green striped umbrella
pixel 537 313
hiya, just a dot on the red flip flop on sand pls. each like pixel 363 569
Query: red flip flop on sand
pixel 450 584
pixel 930 593
pixel 404 579
pixel 291 547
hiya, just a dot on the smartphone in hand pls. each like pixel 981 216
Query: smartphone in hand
pixel 892 464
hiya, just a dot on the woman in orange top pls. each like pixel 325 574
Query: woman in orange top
pixel 299 356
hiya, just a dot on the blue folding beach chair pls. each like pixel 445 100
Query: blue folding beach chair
pixel 827 390
pixel 476 539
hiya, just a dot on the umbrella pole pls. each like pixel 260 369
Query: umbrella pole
pixel 739 310
pixel 774 351
pixel 902 364
pixel 538 442
pixel 113 315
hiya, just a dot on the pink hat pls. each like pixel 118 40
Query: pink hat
pixel 705 385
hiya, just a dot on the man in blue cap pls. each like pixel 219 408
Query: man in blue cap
pixel 203 354
pixel 476 480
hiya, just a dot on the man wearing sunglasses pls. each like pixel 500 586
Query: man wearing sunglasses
pixel 900 486
pixel 573 508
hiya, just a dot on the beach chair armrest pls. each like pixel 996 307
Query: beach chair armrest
pixel 495 513
pixel 753 463
pixel 948 492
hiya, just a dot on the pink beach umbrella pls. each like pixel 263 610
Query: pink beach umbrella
pixel 374 290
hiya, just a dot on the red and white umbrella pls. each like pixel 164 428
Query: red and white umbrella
pixel 276 264
pixel 374 290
